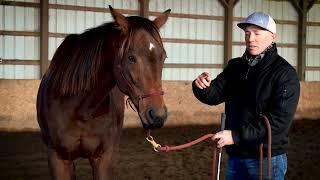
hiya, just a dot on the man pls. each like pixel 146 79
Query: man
pixel 259 83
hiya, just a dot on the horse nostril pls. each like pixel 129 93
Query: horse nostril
pixel 152 114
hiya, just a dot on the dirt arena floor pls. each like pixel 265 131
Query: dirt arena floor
pixel 23 155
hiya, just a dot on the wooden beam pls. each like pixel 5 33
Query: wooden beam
pixel 192 41
pixel 204 66
pixel 144 8
pixel 288 45
pixel 19 33
pixel 302 7
pixel 44 36
pixel 21 4
pixel 19 62
pixel 228 27
pixel 92 9
pixel 312 68
pixel 190 16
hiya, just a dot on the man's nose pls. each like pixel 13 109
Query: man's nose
pixel 250 37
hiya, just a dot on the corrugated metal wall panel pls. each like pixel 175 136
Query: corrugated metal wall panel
pixel 313 61
pixel 313 35
pixel 199 7
pixel 194 53
pixel 74 21
pixel 19 18
pixel 19 72
pixel 20 47
pixel 314 13
pixel 313 54
pixel 120 4
pixel 290 54
pixel 14 18
pixel 278 9
pixel 312 75
pixel 186 74
pixel 238 51
pixel 192 29
pixel 184 28
pixel 54 43
pixel 35 1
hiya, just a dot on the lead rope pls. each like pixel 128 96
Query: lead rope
pixel 157 147
pixel 267 123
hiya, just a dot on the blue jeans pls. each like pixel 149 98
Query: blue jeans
pixel 248 169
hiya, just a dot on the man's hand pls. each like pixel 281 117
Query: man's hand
pixel 203 80
pixel 223 138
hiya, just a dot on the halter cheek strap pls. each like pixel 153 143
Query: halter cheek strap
pixel 125 86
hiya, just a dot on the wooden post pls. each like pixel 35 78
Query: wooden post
pixel 228 27
pixel 302 7
pixel 44 37
pixel 144 8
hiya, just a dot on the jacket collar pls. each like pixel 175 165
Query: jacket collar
pixel 262 60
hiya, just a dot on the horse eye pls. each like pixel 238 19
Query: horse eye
pixel 131 59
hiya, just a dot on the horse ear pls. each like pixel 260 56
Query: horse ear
pixel 119 19
pixel 162 19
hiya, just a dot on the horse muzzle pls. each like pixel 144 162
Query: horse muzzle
pixel 154 117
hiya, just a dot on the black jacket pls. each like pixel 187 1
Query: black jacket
pixel 271 88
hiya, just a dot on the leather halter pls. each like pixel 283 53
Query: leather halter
pixel 128 87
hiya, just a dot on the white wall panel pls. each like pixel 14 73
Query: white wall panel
pixel 67 21
pixel 199 7
pixel 200 29
pixel 237 51
pixel 20 47
pixel 290 54
pixel 287 33
pixel 194 53
pixel 9 19
pixel 312 75
pixel 19 72
pixel 194 29
pixel 120 4
pixel 54 43
pixel 186 74
pixel 314 13
pixel 313 35
pixel 2 16
pixel 35 1
pixel 277 9
pixel 313 56
pixel 19 18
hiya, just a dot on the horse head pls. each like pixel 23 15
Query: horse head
pixel 138 68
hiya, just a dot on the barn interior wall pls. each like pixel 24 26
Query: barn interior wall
pixel 195 27
pixel 18 105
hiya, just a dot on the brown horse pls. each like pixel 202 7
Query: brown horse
pixel 80 103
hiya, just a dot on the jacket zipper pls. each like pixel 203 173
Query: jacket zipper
pixel 246 77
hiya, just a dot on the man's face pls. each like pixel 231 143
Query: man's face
pixel 257 39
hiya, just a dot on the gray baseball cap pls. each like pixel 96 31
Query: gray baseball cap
pixel 260 19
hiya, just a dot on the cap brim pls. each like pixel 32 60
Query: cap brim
pixel 243 25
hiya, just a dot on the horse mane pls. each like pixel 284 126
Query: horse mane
pixel 77 65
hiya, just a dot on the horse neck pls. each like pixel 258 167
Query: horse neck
pixel 107 75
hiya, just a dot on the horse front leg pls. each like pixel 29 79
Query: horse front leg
pixel 102 167
pixel 60 169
